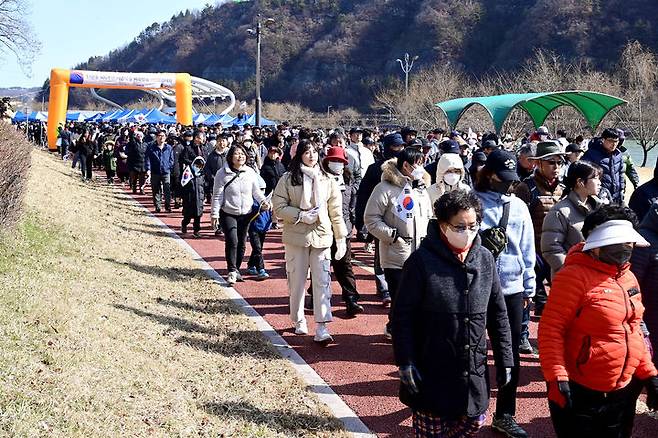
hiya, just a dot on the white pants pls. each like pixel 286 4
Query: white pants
pixel 298 261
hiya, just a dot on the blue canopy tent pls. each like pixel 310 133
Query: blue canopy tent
pixel 37 116
pixel 157 116
pixel 19 117
pixel 116 115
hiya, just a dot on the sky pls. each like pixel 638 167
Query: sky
pixel 70 31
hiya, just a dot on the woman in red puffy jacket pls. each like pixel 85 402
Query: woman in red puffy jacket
pixel 591 347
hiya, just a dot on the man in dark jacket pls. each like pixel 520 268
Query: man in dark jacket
pixel 193 150
pixel 645 196
pixel 215 161
pixel 603 152
pixel 136 151
pixel 159 164
pixel 449 296
pixel 272 169
pixel 177 148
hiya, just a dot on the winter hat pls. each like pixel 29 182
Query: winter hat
pixel 336 154
pixel 503 164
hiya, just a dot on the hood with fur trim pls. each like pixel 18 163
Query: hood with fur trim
pixel 449 161
pixel 391 174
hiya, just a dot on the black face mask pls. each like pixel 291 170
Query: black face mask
pixel 390 153
pixel 617 255
pixel 502 187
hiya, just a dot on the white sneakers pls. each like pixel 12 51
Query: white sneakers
pixel 232 277
pixel 301 328
pixel 322 333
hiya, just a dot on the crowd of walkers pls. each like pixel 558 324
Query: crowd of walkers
pixel 481 232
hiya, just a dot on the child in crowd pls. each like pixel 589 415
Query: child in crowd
pixel 109 161
pixel 193 195
pixel 261 222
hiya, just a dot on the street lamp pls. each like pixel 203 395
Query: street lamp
pixel 257 33
pixel 328 108
pixel 406 66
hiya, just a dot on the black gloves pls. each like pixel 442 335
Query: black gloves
pixel 559 393
pixel 410 378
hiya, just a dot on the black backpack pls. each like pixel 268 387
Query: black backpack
pixel 495 238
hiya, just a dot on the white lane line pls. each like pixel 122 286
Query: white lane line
pixel 316 384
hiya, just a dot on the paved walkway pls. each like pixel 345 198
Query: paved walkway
pixel 359 364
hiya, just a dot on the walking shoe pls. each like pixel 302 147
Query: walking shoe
pixel 301 328
pixel 168 209
pixel 183 228
pixel 157 209
pixel 251 270
pixel 352 307
pixel 196 234
pixel 387 332
pixel 239 276
pixel 262 274
pixel 322 334
pixel 386 299
pixel 232 278
pixel 507 425
pixel 525 347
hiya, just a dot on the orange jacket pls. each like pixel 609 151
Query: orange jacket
pixel 590 329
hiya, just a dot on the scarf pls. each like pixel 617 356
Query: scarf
pixel 314 193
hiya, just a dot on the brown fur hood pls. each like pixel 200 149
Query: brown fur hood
pixel 391 174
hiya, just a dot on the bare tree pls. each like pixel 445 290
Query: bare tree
pixel 16 34
pixel 638 72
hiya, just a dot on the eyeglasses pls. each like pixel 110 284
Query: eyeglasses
pixel 462 228
pixel 554 163
pixel 611 140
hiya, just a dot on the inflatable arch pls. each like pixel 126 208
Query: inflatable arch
pixel 62 79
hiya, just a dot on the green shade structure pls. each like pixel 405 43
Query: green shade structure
pixel 593 106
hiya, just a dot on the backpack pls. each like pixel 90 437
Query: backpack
pixel 495 238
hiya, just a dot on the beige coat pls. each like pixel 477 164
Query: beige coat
pixel 285 201
pixel 562 228
pixel 381 219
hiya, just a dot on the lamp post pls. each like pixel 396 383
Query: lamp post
pixel 406 66
pixel 328 108
pixel 257 33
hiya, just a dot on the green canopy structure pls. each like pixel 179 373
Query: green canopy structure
pixel 593 106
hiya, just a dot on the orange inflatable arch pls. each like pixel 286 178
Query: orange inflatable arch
pixel 61 79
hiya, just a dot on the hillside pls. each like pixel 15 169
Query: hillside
pixel 340 52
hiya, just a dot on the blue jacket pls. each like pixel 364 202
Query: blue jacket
pixel 262 221
pixel 613 169
pixel 159 161
pixel 516 265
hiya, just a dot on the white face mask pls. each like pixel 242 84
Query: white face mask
pixel 418 173
pixel 336 167
pixel 451 179
pixel 459 240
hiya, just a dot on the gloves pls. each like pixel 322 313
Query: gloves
pixel 503 376
pixel 652 393
pixel 308 216
pixel 410 378
pixel 560 393
pixel 341 249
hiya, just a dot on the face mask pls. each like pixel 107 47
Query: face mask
pixel 451 178
pixel 417 173
pixel 501 186
pixel 459 240
pixel 390 153
pixel 336 167
pixel 617 255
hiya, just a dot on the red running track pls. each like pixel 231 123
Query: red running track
pixel 359 364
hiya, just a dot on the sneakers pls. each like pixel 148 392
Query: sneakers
pixel 251 270
pixel 196 234
pixel 387 332
pixel 525 347
pixel 386 299
pixel 232 278
pixel 322 334
pixel 262 274
pixel 239 276
pixel 301 328
pixel 507 425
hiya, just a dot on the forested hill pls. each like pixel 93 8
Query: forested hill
pixel 339 52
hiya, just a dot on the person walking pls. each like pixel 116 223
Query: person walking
pixel 450 175
pixel 159 161
pixel 451 296
pixel 603 151
pixel 515 263
pixel 192 193
pixel 235 188
pixel 136 152
pixel 309 204
pixel 562 227
pixel 87 153
pixel 591 348
pixel 109 161
pixel 397 214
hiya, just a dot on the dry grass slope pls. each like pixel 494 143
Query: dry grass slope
pixel 109 328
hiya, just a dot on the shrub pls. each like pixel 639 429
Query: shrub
pixel 15 162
